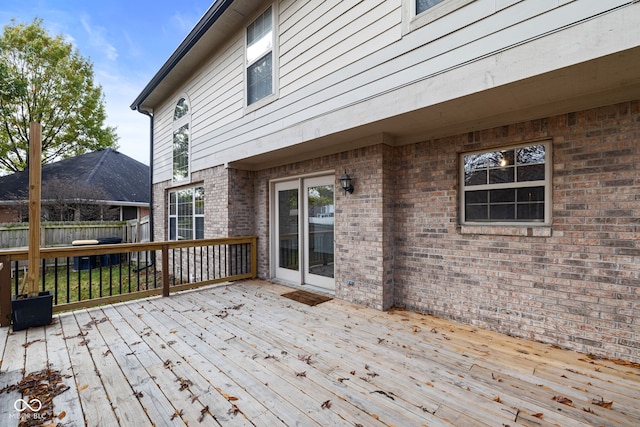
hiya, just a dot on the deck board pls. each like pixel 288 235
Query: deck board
pixel 242 355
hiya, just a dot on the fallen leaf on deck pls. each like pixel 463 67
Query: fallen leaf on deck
pixel 234 410
pixel 83 387
pixel 177 414
pixel 305 358
pixel 61 415
pixel 602 403
pixel 563 400
pixel 497 399
pixel 538 415
pixel 203 412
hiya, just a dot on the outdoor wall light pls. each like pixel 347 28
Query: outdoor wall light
pixel 345 182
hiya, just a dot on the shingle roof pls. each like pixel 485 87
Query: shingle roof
pixel 121 178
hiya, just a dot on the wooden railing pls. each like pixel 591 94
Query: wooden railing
pixel 84 276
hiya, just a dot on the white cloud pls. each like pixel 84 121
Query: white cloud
pixel 98 40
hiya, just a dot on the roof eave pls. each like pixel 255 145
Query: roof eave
pixel 208 19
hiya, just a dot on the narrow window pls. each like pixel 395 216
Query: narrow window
pixel 186 214
pixel 510 185
pixel 260 57
pixel 181 119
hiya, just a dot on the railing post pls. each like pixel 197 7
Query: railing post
pixel 165 270
pixel 5 290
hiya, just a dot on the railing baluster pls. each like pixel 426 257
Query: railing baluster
pixel 79 281
pixel 100 276
pixel 43 275
pixel 55 280
pixel 68 280
pixel 16 272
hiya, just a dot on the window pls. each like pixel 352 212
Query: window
pixel 260 57
pixel 511 185
pixel 186 214
pixel 181 121
pixel 422 5
pixel 418 13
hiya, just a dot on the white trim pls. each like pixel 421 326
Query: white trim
pixel 548 188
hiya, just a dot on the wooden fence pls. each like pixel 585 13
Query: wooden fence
pixel 16 235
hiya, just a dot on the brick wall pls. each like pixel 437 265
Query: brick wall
pixel 576 284
pixel 397 237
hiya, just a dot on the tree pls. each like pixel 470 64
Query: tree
pixel 44 79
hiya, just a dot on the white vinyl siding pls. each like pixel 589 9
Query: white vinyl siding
pixel 387 74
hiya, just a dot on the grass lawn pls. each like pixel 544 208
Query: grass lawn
pixel 67 285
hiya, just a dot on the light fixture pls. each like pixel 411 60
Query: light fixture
pixel 345 182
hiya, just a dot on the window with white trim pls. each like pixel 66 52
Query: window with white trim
pixel 511 185
pixel 181 122
pixel 186 214
pixel 260 57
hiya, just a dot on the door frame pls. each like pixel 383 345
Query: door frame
pixel 273 232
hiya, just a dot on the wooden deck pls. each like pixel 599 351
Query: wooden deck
pixel 243 355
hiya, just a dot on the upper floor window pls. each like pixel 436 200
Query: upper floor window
pixel 422 5
pixel 510 185
pixel 260 57
pixel 181 122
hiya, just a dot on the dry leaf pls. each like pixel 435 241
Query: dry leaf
pixel 602 403
pixel 497 399
pixel 234 410
pixel 538 415
pixel 61 415
pixel 563 400
pixel 429 384
pixel 83 387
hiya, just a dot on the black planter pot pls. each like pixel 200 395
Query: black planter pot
pixel 29 311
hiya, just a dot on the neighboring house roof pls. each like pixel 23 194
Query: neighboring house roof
pixel 122 179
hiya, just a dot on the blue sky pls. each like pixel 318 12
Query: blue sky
pixel 126 40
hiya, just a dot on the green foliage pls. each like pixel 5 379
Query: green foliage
pixel 44 79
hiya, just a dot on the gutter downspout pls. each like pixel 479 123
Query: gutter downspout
pixel 146 113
